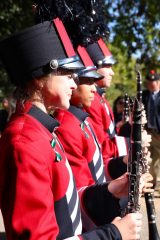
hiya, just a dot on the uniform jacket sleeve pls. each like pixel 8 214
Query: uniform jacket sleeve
pixel 106 232
pixel 107 205
pixel 30 200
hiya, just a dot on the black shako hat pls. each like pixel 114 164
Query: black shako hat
pixel 100 54
pixel 37 51
pixel 152 76
pixel 50 9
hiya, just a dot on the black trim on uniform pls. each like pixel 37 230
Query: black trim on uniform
pixel 47 121
pixel 64 221
pixel 100 91
pixel 79 113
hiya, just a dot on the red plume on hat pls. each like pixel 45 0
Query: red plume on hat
pixel 152 72
pixel 152 76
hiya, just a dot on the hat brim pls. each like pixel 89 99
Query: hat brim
pixel 152 78
pixel 89 73
pixel 94 75
pixel 107 61
pixel 77 65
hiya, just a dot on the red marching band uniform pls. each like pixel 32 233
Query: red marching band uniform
pixel 48 204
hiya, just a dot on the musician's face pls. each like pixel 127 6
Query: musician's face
pixel 108 73
pixel 57 91
pixel 120 106
pixel 83 95
pixel 153 86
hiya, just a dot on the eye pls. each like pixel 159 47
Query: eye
pixel 75 77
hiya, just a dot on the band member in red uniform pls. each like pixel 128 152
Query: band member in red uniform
pixel 38 198
pixel 81 145
pixel 113 146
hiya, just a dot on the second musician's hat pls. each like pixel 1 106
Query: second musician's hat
pixel 89 73
pixel 37 51
pixel 153 76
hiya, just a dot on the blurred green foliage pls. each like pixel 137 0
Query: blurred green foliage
pixel 14 16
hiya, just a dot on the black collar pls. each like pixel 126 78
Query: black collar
pixel 47 121
pixel 100 91
pixel 78 112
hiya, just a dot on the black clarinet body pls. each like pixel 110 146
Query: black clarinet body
pixel 152 227
pixel 134 160
pixel 149 199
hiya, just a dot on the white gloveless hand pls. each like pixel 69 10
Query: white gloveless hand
pixel 146 139
pixel 129 226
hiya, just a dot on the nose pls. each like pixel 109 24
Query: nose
pixel 73 85
pixel 112 72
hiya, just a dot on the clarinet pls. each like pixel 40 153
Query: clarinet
pixel 152 227
pixel 134 160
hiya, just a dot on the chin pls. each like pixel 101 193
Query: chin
pixel 65 106
pixel 87 104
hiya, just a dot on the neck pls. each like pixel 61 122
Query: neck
pixel 40 105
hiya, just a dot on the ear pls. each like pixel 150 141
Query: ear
pixel 39 83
